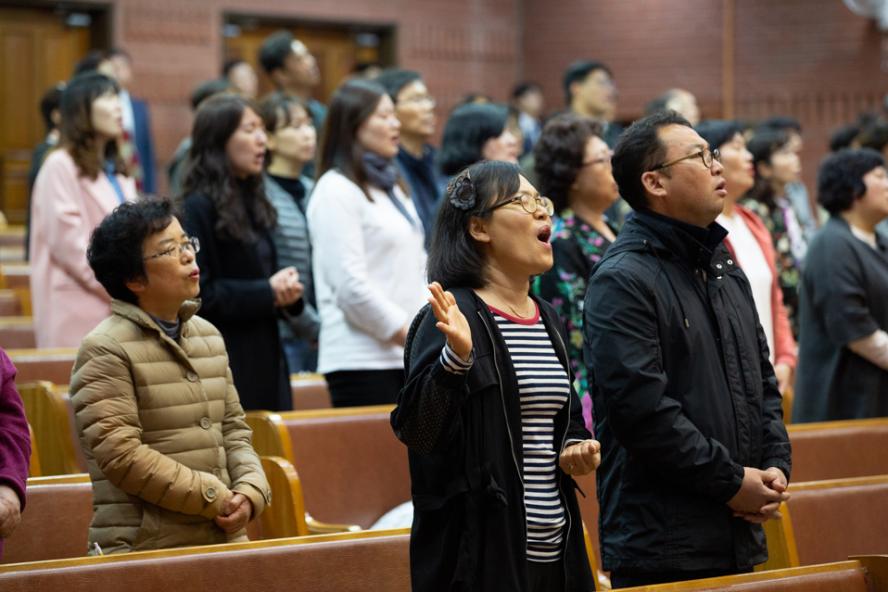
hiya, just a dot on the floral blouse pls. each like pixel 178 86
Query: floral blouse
pixel 790 247
pixel 576 247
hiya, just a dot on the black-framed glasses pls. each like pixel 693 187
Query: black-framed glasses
pixel 529 203
pixel 192 245
pixel 706 155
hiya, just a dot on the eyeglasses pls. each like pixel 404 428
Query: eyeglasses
pixel 706 155
pixel 192 245
pixel 428 99
pixel 530 204
pixel 603 159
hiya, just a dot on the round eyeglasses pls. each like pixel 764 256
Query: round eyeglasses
pixel 530 204
pixel 192 245
pixel 706 155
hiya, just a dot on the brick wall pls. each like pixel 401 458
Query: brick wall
pixel 812 59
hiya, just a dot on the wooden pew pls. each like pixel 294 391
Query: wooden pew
pixel 17 333
pixel 12 236
pixel 377 560
pixel 839 449
pixel 34 464
pixel 830 521
pixel 309 392
pixel 10 303
pixel 55 522
pixel 53 365
pixel 351 466
pixel 16 277
pixel 863 574
pixel 50 413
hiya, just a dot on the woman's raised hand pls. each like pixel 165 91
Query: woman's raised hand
pixel 451 321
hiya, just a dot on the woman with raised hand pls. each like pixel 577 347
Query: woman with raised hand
pixel 492 424
pixel 368 255
pixel 78 185
pixel 243 289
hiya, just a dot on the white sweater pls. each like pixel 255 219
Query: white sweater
pixel 369 271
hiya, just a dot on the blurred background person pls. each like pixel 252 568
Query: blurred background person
pixel 136 145
pixel 291 145
pixel 241 77
pixel 78 185
pixel 590 90
pixel 843 358
pixel 293 70
pixel 52 119
pixel 176 168
pixel 776 165
pixel 244 291
pixel 416 159
pixel 679 100
pixel 528 100
pixel 750 243
pixel 574 170
pixel 476 132
pixel 15 451
pixel 368 253
pixel 165 439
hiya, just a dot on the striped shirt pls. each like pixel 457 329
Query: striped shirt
pixel 543 389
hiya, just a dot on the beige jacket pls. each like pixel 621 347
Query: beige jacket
pixel 163 432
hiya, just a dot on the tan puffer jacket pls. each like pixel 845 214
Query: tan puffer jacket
pixel 163 432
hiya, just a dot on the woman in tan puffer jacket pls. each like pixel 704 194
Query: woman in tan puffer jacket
pixel 168 449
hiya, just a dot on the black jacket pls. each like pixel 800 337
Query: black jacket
pixel 464 438
pixel 684 397
pixel 237 298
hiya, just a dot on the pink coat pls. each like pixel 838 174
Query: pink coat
pixel 67 300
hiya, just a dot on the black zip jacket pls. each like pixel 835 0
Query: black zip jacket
pixel 463 433
pixel 684 398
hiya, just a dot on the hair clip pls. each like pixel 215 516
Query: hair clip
pixel 461 192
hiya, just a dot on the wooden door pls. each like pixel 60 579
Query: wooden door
pixel 37 51
pixel 335 48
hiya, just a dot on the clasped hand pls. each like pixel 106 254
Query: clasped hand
pixel 286 286
pixel 581 458
pixel 236 512
pixel 760 495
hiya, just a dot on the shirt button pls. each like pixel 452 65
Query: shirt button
pixel 730 262
pixel 211 493
pixel 206 423
pixel 718 265
pixel 191 376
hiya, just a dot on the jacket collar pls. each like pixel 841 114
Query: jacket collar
pixel 692 244
pixel 135 314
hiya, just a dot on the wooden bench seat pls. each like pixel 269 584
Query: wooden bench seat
pixel 830 521
pixel 839 449
pixel 51 415
pixel 351 466
pixel 309 391
pixel 17 333
pixel 362 561
pixel 864 574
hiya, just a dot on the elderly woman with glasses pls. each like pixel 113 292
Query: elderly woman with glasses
pixel 573 168
pixel 166 443
pixel 493 426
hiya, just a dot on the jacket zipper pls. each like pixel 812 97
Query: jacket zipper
pixel 508 427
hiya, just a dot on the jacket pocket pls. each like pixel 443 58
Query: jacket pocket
pixel 148 528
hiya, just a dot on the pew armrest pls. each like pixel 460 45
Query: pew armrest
pixel 318 527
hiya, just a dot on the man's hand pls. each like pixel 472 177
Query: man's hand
pixel 581 458
pixel 10 511
pixel 776 480
pixel 760 493
pixel 236 512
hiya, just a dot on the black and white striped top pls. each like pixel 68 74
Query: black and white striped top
pixel 543 389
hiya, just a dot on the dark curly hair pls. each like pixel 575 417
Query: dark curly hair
pixel 208 172
pixel 115 247
pixel 559 153
pixel 455 259
pixel 840 179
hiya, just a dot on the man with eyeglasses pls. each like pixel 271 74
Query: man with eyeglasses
pixel 416 159
pixel 686 403
pixel 164 435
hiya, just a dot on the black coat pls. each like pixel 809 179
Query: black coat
pixel 684 397
pixel 465 449
pixel 844 297
pixel 237 298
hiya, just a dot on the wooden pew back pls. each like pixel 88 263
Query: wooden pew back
pixel 50 413
pixel 17 333
pixel 352 467
pixel 55 523
pixel 53 365
pixel 309 391
pixel 839 449
pixel 341 563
